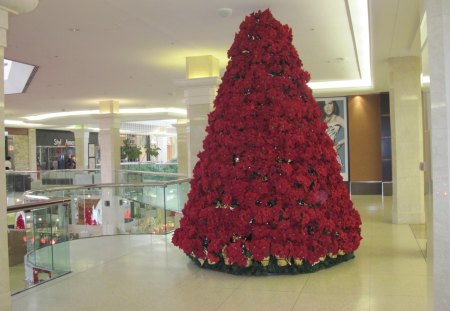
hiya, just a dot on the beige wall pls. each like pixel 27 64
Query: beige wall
pixel 21 153
pixel 364 137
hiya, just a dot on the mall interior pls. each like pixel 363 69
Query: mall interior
pixel 103 112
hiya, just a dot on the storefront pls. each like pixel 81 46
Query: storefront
pixel 55 149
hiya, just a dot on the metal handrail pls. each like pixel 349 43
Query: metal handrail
pixel 163 174
pixel 154 173
pixel 34 205
pixel 110 185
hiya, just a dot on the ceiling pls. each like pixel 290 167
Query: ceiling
pixel 132 51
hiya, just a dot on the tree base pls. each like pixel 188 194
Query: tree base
pixel 273 267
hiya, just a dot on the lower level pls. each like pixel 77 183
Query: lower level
pixel 146 272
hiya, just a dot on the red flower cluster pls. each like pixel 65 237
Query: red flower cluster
pixel 267 183
pixel 88 217
pixel 20 222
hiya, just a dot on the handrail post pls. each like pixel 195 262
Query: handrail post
pixel 165 210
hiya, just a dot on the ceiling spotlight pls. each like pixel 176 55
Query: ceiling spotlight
pixel 224 12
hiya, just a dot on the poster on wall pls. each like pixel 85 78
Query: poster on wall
pixel 334 114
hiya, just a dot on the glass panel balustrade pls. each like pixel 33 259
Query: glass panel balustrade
pixel 38 242
pixel 152 207
pixel 40 230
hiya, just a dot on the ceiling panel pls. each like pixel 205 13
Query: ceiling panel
pixel 133 51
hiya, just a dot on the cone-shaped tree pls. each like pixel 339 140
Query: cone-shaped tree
pixel 267 195
pixel 20 223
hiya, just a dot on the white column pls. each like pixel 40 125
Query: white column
pixel 161 142
pixel 172 141
pixel 81 147
pixel 199 96
pixel 182 147
pixel 407 142
pixel 438 260
pixel 16 7
pixel 200 88
pixel 109 141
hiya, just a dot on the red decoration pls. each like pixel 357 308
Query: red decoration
pixel 20 223
pixel 267 184
pixel 88 216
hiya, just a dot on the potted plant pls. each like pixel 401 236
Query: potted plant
pixel 130 151
pixel 152 151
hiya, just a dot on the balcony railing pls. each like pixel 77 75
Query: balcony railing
pixel 136 204
pixel 38 242
pixel 152 207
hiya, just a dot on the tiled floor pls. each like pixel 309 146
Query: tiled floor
pixel 149 273
pixel 16 277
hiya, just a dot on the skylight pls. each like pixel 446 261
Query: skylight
pixel 17 76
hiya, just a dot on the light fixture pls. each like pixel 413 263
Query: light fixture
pixel 224 12
pixel 424 80
pixel 61 114
pixel 22 124
pixel 171 110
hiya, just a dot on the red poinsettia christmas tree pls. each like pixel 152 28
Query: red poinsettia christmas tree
pixel 20 223
pixel 267 195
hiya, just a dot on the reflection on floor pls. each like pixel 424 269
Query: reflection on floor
pixel 420 233
pixel 149 273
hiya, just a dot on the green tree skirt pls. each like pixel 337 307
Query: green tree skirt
pixel 272 267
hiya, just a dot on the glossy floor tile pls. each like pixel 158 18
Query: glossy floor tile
pixel 145 272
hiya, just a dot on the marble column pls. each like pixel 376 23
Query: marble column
pixel 200 87
pixel 32 157
pixel 6 7
pixel 407 140
pixel 81 147
pixel 438 260
pixel 109 141
pixel 182 147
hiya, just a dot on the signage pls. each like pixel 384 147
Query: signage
pixel 55 138
pixel 59 142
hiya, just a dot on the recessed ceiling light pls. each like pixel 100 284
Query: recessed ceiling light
pixel 74 29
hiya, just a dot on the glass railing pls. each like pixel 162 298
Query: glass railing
pixel 150 166
pixel 135 176
pixel 70 177
pixel 40 230
pixel 38 247
pixel 21 181
pixel 150 207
